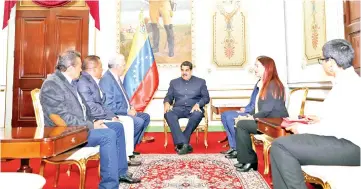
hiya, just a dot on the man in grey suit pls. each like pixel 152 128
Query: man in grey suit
pixel 188 95
pixel 59 96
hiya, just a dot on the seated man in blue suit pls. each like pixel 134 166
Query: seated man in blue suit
pixel 88 88
pixel 190 95
pixel 227 119
pixel 117 100
pixel 59 96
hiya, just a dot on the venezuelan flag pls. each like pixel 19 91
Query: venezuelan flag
pixel 141 78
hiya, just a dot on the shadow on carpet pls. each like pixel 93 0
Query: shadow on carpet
pixel 171 171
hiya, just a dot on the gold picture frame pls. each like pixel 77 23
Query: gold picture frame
pixel 181 18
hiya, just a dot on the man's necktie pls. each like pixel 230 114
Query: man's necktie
pixel 123 89
pixel 124 92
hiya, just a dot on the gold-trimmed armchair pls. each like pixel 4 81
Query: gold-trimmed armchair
pixel 203 125
pixel 334 176
pixel 295 107
pixel 315 180
pixel 79 156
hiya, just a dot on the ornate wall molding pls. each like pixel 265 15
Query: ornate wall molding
pixel 314 16
pixel 229 35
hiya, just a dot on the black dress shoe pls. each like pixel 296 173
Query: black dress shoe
pixel 228 151
pixel 232 155
pixel 136 153
pixel 178 147
pixel 129 174
pixel 190 148
pixel 129 180
pixel 248 166
pixel 185 149
pixel 134 163
pixel 239 165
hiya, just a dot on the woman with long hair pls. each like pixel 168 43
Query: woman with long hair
pixel 270 102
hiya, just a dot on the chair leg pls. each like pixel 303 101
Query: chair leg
pixel 82 169
pixel 206 136
pixel 68 172
pixel 99 170
pixel 165 137
pixel 197 131
pixel 56 175
pixel 252 140
pixel 42 166
pixel 266 148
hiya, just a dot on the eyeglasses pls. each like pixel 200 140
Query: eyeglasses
pixel 320 60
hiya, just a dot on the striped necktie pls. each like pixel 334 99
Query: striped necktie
pixel 124 92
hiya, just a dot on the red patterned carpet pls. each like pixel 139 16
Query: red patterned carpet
pixel 204 168
pixel 193 171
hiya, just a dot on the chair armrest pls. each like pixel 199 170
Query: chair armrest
pixel 57 120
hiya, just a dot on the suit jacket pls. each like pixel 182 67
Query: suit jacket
pixel 270 106
pixel 251 105
pixel 58 96
pixel 89 90
pixel 187 93
pixel 114 98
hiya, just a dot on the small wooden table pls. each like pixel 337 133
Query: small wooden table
pixel 272 127
pixel 36 142
pixel 219 109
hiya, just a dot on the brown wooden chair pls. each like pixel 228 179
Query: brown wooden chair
pixel 78 156
pixel 203 126
pixel 295 107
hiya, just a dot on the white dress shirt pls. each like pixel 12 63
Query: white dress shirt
pixel 340 112
pixel 79 98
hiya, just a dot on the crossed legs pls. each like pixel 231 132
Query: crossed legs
pixel 289 153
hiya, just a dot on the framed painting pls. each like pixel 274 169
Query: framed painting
pixel 314 29
pixel 169 26
pixel 229 35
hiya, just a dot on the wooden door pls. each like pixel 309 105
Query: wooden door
pixel 31 57
pixel 40 36
pixel 352 29
pixel 69 30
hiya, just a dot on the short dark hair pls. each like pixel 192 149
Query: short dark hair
pixel 67 59
pixel 341 51
pixel 90 62
pixel 187 63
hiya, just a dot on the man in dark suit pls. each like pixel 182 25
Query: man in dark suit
pixel 88 87
pixel 188 94
pixel 117 100
pixel 59 96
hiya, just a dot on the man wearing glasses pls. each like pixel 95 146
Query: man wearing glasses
pixel 332 138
